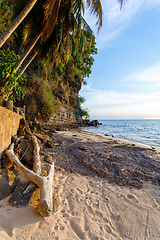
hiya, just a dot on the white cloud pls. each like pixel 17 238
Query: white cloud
pixel 116 20
pixel 150 74
pixel 92 91
pixel 112 105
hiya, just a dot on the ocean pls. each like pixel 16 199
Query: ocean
pixel 145 132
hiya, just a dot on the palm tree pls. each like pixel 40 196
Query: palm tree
pixel 67 31
pixel 28 50
pixel 68 14
pixel 16 22
pixel 51 8
pixel 96 9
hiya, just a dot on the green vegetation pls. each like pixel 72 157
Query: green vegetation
pixel 83 112
pixel 51 41
pixel 5 15
pixel 60 42
pixel 81 100
pixel 10 82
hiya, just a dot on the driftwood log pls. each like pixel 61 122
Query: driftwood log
pixel 44 183
pixel 37 163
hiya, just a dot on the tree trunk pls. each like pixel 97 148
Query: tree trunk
pixel 27 51
pixel 21 61
pixel 36 166
pixel 27 64
pixel 16 22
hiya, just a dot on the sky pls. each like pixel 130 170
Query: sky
pixel 125 78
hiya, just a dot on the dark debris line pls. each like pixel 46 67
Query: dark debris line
pixel 121 164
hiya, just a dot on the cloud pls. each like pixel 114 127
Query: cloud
pixel 116 105
pixel 116 20
pixel 151 74
pixel 92 91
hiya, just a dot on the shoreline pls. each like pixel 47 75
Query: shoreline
pixel 132 143
pixel 106 157
pixel 137 131
pixel 129 141
pixel 94 204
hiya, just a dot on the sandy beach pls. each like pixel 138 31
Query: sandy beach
pixel 108 189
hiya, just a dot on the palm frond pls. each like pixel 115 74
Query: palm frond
pixel 51 9
pixel 82 42
pixel 78 7
pixel 96 9
pixel 121 3
pixel 87 28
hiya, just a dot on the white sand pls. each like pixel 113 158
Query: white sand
pixel 90 208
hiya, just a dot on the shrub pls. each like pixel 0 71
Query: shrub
pixel 9 76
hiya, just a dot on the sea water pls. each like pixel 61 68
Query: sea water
pixel 145 132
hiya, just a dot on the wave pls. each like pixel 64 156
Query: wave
pixel 141 131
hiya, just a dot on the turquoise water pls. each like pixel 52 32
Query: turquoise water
pixel 141 131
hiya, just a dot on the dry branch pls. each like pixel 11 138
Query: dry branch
pixel 37 164
pixel 44 183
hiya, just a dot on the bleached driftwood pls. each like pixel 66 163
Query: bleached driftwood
pixel 37 164
pixel 44 183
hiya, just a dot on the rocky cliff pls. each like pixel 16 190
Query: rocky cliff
pixel 52 102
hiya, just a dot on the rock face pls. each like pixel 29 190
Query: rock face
pixel 60 105
pixel 63 115
pixel 86 122
pixel 94 123
pixel 66 96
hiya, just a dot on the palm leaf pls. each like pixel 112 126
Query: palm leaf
pixel 51 9
pixel 121 2
pixel 96 9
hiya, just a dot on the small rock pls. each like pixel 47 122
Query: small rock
pixel 82 148
pixel 94 123
pixel 28 156
pixel 50 143
pixel 48 158
pixel 18 199
pixel 60 129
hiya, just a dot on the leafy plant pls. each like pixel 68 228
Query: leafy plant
pixel 47 101
pixel 9 77
pixel 5 15
pixel 83 112
pixel 81 100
